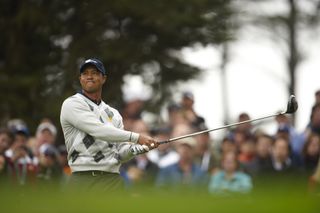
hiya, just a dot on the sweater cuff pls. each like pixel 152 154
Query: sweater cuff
pixel 134 137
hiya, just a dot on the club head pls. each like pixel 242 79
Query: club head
pixel 292 105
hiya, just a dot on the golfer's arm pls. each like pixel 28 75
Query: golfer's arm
pixel 79 115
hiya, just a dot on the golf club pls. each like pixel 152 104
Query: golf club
pixel 292 107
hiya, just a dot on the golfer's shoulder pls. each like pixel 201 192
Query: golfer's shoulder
pixel 72 101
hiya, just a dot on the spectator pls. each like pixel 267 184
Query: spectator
pixel 22 164
pixel 46 134
pixel 246 127
pixel 310 153
pixel 247 153
pixel 296 140
pixel 175 115
pixel 315 179
pixel 281 161
pixel 180 129
pixel 183 173
pixel 49 167
pixel 63 160
pixel 132 111
pixel 187 102
pixel 317 97
pixel 227 146
pixel 240 137
pixel 204 154
pixel 140 169
pixel 242 132
pixel 3 168
pixel 164 155
pixel 314 124
pixel 229 179
pixel 262 163
pixel 6 139
pixel 188 111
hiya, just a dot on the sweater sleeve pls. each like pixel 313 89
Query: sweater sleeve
pixel 78 114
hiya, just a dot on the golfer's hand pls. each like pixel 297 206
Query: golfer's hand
pixel 148 141
pixel 138 149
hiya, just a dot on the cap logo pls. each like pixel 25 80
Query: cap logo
pixel 90 61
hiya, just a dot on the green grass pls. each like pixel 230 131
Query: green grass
pixel 288 197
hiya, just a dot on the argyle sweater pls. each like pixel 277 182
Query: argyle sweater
pixel 94 135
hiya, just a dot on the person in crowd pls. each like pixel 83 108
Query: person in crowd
pixel 227 145
pixel 6 139
pixel 204 154
pixel 314 180
pixel 247 152
pixel 22 165
pixel 314 124
pixel 175 115
pixel 311 153
pixel 262 163
pixel 49 167
pixel 45 134
pixel 229 179
pixel 243 132
pixel 140 170
pixel 296 140
pixel 165 154
pixel 281 161
pixel 317 97
pixel 240 137
pixel 184 173
pixel 246 127
pixel 63 160
pixel 3 169
pixel 132 111
pixel 188 111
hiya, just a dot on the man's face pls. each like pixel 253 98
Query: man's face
pixel 281 150
pixel 91 79
pixel 45 136
pixel 264 146
pixel 187 102
pixel 185 152
pixel 229 163
pixel 4 142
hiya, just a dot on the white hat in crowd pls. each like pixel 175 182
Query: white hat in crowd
pixel 47 126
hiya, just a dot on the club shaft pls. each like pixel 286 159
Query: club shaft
pixel 219 128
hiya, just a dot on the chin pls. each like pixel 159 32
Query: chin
pixel 90 90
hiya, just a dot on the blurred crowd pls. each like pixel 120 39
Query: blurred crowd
pixel 236 163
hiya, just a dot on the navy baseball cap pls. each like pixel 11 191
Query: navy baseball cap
pixel 95 62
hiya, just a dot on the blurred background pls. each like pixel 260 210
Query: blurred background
pixel 173 67
pixel 219 50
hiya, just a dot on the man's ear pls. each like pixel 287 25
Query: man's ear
pixel 105 78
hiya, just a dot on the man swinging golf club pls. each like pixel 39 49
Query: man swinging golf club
pixel 94 135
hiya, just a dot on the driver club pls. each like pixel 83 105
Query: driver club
pixel 292 107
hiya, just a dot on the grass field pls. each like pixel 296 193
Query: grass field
pixel 288 197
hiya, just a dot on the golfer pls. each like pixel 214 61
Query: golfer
pixel 94 135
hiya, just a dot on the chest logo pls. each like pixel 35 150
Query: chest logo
pixel 109 113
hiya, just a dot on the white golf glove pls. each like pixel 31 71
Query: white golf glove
pixel 138 149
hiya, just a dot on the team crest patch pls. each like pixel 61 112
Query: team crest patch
pixel 109 113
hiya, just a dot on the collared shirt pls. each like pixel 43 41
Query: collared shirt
pixel 240 182
pixel 173 176
pixel 94 135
